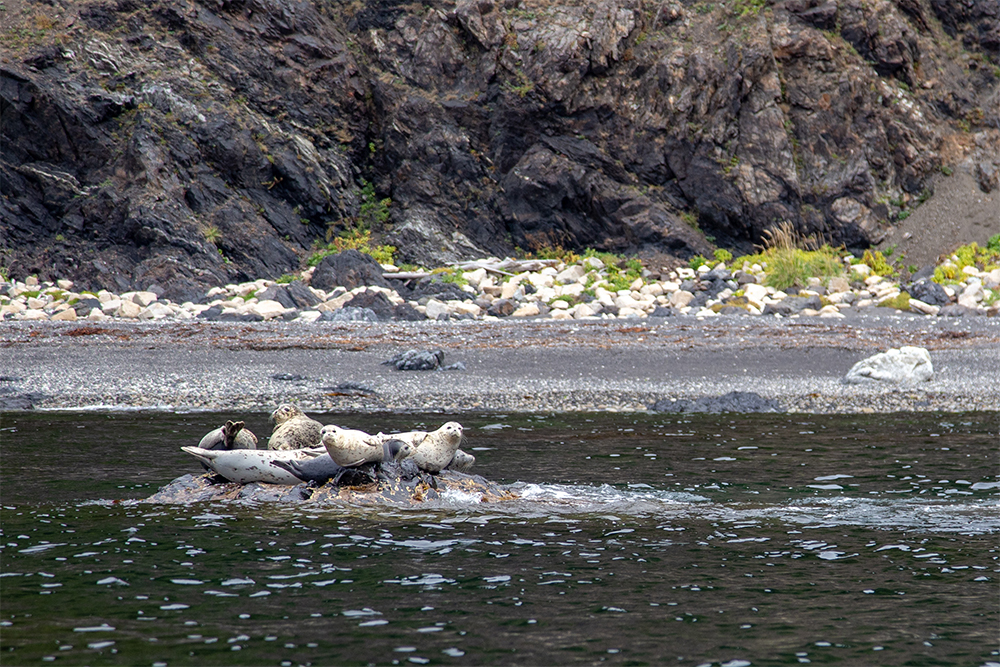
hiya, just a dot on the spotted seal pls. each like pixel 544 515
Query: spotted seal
pixel 351 447
pixel 462 461
pixel 234 435
pixel 438 449
pixel 245 466
pixel 293 429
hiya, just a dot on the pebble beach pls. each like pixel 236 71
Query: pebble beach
pixel 520 336
pixel 493 289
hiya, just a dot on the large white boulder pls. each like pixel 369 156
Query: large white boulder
pixel 904 365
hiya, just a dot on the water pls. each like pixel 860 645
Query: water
pixel 637 540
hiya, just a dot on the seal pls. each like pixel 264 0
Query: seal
pixel 293 430
pixel 412 437
pixel 244 465
pixel 234 435
pixel 351 447
pixel 318 470
pixel 438 449
pixel 462 461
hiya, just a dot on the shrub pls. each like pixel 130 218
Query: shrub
pixel 877 262
pixel 787 267
pixel 791 258
pixel 448 275
pixel 723 255
pixel 211 234
pixel 900 302
pixel 984 259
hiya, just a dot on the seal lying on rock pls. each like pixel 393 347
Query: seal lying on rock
pixel 293 430
pixel 350 447
pixel 234 435
pixel 437 450
pixel 245 466
pixel 323 468
pixel 462 461
pixel 318 470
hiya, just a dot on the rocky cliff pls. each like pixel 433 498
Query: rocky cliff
pixel 188 144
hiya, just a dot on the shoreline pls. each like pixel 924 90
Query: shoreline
pixel 522 366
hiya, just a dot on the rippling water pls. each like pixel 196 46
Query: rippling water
pixel 734 540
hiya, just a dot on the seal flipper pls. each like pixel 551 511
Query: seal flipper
pixel 319 469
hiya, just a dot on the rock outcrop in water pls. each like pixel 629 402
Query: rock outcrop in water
pixel 183 145
pixel 395 490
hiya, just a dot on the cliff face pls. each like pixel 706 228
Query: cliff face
pixel 186 144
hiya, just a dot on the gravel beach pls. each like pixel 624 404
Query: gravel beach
pixel 522 366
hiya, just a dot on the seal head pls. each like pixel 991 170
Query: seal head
pixel 293 429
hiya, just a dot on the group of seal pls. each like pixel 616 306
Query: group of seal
pixel 301 449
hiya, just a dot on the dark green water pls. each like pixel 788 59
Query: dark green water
pixel 637 540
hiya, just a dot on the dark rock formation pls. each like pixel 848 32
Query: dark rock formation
pixel 384 485
pixel 348 269
pixel 195 144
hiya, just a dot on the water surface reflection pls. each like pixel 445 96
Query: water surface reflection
pixel 635 540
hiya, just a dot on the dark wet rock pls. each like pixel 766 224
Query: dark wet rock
pixel 416 360
pixel 406 313
pixel 271 493
pixel 700 300
pixel 717 274
pixel 84 306
pixel 394 484
pixel 734 401
pixel 240 317
pixel 715 286
pixel 12 399
pixel 350 389
pixel 213 314
pixel 956 310
pixel 277 293
pixel 376 302
pixel 292 295
pixel 663 311
pixel 434 287
pixel 930 292
pixel 348 269
pixel 350 314
pixel 502 308
pixel 288 377
pixel 733 310
pixel 793 304
pixel 692 286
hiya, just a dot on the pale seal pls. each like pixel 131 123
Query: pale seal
pixel 234 435
pixel 245 465
pixel 412 437
pixel 438 449
pixel 293 430
pixel 462 461
pixel 350 447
